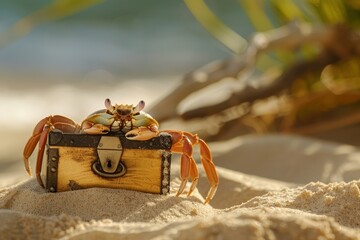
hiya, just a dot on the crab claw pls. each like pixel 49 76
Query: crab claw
pixel 140 133
pixel 96 129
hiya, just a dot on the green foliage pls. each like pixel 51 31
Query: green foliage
pixel 56 10
pixel 215 26
pixel 268 14
pixel 326 98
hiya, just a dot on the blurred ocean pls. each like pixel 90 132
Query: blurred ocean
pixel 124 38
pixel 124 50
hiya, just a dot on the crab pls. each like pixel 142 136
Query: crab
pixel 136 125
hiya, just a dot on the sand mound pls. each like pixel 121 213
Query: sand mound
pixel 245 206
pixel 290 158
pixel 262 209
pixel 337 200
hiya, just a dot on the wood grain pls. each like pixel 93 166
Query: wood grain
pixel 143 169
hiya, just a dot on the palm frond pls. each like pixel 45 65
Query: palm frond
pixel 255 9
pixel 215 26
pixel 56 10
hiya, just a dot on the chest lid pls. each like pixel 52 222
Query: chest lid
pixel 58 138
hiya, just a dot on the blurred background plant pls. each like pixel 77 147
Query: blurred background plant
pixel 298 73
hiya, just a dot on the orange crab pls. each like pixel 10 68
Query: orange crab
pixel 137 125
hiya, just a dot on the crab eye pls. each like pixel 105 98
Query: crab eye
pixel 139 107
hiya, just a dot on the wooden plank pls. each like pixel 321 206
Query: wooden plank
pixel 143 169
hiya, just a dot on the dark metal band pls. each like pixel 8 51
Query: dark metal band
pixel 57 138
pixel 52 169
pixel 165 172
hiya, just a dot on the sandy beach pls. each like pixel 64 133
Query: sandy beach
pixel 294 188
pixel 289 65
pixel 271 186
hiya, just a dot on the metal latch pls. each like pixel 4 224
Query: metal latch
pixel 109 163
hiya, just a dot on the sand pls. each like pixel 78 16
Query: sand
pixel 293 188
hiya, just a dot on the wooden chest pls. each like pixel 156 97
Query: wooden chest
pixel 78 161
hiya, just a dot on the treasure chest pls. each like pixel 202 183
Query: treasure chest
pixel 77 161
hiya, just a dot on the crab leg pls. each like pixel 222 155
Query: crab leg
pixel 183 143
pixel 62 120
pixel 42 142
pixel 194 175
pixel 65 127
pixel 29 149
pixel 206 160
pixel 188 169
pixel 31 144
pixel 209 167
pixel 40 134
pixel 186 159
